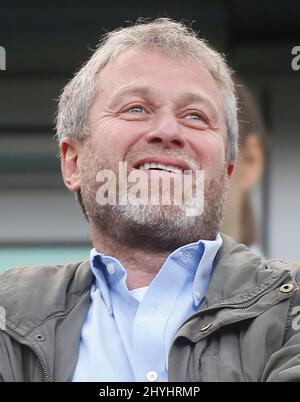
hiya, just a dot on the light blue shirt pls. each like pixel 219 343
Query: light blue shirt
pixel 124 339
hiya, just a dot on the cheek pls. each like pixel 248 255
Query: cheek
pixel 211 154
pixel 119 136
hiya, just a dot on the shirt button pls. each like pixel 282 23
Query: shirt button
pixel 197 295
pixel 152 376
pixel 111 269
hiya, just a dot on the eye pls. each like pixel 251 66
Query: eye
pixel 135 109
pixel 194 116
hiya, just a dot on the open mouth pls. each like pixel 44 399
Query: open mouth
pixel 161 167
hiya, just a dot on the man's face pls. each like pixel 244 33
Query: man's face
pixel 153 108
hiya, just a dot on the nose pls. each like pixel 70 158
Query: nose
pixel 166 131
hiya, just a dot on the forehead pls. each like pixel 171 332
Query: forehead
pixel 158 70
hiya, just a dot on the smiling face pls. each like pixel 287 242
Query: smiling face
pixel 150 103
pixel 164 115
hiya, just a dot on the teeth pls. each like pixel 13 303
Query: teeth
pixel 154 165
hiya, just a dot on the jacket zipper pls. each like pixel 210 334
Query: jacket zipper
pixel 278 282
pixel 35 351
pixel 46 375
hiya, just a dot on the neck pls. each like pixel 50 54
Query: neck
pixel 142 264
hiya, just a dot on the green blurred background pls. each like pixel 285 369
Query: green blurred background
pixel 13 257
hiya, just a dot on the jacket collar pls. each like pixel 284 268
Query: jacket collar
pixel 237 273
pixel 242 286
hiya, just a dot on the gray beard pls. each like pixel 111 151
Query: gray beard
pixel 157 227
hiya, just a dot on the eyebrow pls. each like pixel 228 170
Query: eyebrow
pixel 191 97
pixel 185 98
pixel 132 90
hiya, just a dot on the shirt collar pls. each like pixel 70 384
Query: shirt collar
pixel 204 270
pixel 195 257
pixel 198 257
pixel 107 271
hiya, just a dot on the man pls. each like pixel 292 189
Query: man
pixel 164 296
pixel 239 219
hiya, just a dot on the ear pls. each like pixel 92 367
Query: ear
pixel 252 161
pixel 69 148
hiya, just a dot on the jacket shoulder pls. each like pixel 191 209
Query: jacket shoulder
pixel 26 276
pixel 33 293
pixel 292 266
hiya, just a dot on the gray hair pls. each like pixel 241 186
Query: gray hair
pixel 173 37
